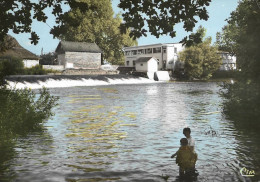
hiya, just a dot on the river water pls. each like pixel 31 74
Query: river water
pixel 129 132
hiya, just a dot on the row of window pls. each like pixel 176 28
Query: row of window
pixel 144 51
pixel 148 51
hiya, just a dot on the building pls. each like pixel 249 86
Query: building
pixel 228 61
pixel 146 64
pixel 17 51
pixel 79 55
pixel 166 54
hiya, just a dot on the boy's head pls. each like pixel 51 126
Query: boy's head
pixel 184 142
pixel 186 132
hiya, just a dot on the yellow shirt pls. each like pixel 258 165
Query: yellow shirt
pixel 186 158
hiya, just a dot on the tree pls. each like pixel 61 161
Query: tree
pixel 17 15
pixel 200 60
pixel 97 26
pixel 242 99
pixel 161 16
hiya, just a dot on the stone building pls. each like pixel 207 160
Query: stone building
pixel 79 55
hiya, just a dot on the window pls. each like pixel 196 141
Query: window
pixel 141 51
pixel 157 50
pixel 127 53
pixel 148 51
pixel 134 52
pixel 158 61
pixel 127 63
pixel 133 63
pixel 175 50
pixel 141 64
pixel 164 50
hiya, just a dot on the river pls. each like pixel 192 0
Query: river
pixel 128 133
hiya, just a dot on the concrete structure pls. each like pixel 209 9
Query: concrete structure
pixel 79 55
pixel 146 64
pixel 166 54
pixel 228 61
pixel 53 67
pixel 17 51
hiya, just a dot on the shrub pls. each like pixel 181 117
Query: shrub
pixel 21 112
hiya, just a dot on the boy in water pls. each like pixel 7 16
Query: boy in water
pixel 191 141
pixel 186 158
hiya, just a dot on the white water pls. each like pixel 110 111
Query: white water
pixel 52 83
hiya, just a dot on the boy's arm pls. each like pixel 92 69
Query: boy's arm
pixel 174 155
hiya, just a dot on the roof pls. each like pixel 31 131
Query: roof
pixel 144 59
pixel 68 46
pixel 18 51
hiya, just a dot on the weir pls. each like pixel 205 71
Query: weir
pixel 55 81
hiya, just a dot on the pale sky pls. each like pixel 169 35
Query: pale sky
pixel 219 11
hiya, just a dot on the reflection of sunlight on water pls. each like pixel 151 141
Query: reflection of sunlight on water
pixel 128 133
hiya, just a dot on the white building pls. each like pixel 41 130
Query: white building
pixel 228 61
pixel 146 64
pixel 166 54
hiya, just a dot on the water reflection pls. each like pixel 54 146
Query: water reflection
pixel 128 133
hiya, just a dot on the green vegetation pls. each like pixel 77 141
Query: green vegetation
pixel 200 60
pixel 160 16
pixel 241 36
pixel 98 26
pixel 15 66
pixel 21 111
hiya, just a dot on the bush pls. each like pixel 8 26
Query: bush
pixel 242 102
pixel 10 66
pixel 21 112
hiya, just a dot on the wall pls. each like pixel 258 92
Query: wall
pixel 53 67
pixel 84 60
pixel 141 66
pixel 30 63
pixel 152 65
pixel 61 59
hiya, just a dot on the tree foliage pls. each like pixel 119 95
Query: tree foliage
pixel 97 26
pixel 242 97
pixel 155 16
pixel 161 16
pixel 18 15
pixel 200 60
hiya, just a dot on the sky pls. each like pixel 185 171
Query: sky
pixel 219 11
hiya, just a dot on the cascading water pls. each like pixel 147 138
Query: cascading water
pixel 39 81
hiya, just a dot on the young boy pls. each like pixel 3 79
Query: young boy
pixel 191 141
pixel 186 158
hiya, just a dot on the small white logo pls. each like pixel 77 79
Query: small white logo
pixel 245 172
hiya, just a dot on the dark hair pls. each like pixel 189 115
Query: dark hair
pixel 186 129
pixel 184 142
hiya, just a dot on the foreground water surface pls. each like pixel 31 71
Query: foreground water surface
pixel 129 132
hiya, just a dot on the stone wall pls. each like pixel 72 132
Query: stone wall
pixel 84 59
pixel 89 72
pixel 53 67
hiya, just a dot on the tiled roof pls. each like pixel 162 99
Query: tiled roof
pixel 68 46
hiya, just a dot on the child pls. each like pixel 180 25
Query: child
pixel 186 158
pixel 191 141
